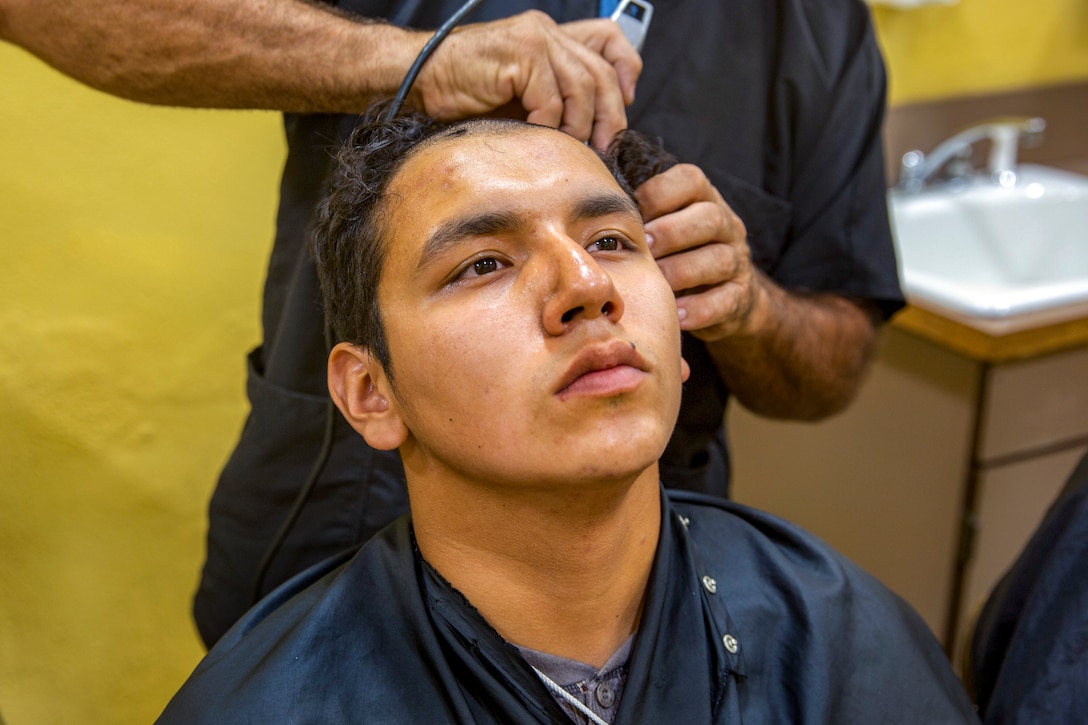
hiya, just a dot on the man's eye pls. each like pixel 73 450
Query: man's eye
pixel 479 267
pixel 608 244
pixel 487 265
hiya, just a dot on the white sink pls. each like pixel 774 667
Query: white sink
pixel 998 258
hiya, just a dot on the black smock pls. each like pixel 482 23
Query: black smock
pixel 1029 652
pixel 788 631
pixel 779 101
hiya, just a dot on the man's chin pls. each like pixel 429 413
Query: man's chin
pixel 617 474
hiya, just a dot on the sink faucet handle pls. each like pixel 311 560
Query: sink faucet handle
pixel 914 170
pixel 1006 136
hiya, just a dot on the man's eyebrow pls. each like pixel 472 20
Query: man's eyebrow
pixel 501 222
pixel 456 230
pixel 606 205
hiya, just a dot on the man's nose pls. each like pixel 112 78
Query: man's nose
pixel 581 290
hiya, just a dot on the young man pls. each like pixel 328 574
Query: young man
pixel 507 329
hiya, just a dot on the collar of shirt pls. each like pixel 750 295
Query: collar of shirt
pixel 599 690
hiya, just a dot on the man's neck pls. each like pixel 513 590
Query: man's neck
pixel 562 572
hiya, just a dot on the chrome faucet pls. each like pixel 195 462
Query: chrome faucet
pixel 919 170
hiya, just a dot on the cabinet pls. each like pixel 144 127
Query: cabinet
pixel 937 475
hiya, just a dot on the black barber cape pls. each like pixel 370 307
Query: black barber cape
pixel 382 638
pixel 1029 653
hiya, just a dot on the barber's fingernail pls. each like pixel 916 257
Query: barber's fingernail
pixel 681 312
pixel 649 239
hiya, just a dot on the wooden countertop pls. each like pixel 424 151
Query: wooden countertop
pixel 990 348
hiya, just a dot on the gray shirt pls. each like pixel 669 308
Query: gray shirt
pixel 597 689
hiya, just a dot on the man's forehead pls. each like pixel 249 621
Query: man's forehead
pixel 519 167
pixel 518 150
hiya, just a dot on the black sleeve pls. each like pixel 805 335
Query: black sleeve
pixel 829 101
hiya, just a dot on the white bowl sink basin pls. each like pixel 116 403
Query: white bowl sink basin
pixel 999 258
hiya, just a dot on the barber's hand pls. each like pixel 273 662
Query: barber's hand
pixel 702 248
pixel 577 77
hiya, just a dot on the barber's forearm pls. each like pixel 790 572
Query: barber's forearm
pixel 276 54
pixel 804 357
pixel 291 55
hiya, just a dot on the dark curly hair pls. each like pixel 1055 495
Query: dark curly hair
pixel 351 234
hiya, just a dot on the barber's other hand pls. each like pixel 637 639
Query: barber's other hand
pixel 702 248
pixel 577 77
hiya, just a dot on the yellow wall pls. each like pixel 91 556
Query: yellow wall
pixel 133 243
pixel 982 46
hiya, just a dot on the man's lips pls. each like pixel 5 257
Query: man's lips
pixel 604 369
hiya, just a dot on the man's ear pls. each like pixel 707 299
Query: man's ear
pixel 359 387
